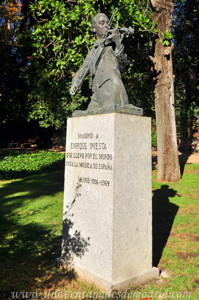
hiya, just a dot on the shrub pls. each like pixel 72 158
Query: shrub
pixel 154 139
pixel 16 164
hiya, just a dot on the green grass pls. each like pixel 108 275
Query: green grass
pixel 179 232
pixel 30 233
pixel 30 229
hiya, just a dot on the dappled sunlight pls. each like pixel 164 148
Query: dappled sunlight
pixel 19 194
pixel 29 242
pixel 31 226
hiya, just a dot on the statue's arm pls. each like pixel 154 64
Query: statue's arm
pixel 122 59
pixel 79 76
pixel 121 56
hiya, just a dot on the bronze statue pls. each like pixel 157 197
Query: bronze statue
pixel 105 62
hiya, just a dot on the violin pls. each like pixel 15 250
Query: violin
pixel 124 30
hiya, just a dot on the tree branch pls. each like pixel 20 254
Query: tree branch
pixel 152 59
pixel 154 4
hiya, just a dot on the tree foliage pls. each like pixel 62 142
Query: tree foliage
pixel 44 42
pixel 186 67
pixel 14 44
pixel 62 38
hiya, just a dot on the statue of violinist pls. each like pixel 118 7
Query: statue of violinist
pixel 105 62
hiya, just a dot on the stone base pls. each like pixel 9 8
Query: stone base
pixel 126 109
pixel 107 224
pixel 123 285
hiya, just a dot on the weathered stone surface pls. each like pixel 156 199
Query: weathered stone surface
pixel 107 232
pixel 125 109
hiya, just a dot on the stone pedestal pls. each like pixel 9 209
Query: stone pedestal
pixel 107 234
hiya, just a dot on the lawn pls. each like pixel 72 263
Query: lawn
pixel 30 233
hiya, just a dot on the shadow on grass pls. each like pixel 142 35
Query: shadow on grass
pixel 164 214
pixel 28 249
pixel 183 160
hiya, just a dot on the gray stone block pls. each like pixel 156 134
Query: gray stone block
pixel 107 234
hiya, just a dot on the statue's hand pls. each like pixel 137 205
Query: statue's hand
pixel 116 37
pixel 74 89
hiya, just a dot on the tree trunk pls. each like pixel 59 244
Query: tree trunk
pixel 168 163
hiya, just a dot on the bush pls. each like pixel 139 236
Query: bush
pixel 154 139
pixel 17 164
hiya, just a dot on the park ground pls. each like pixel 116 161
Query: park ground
pixel 30 232
pixel 187 157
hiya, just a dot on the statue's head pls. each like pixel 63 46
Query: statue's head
pixel 100 25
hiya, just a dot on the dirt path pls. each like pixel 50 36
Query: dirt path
pixel 193 158
pixel 188 158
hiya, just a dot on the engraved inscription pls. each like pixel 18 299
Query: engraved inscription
pixel 93 181
pixel 86 154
